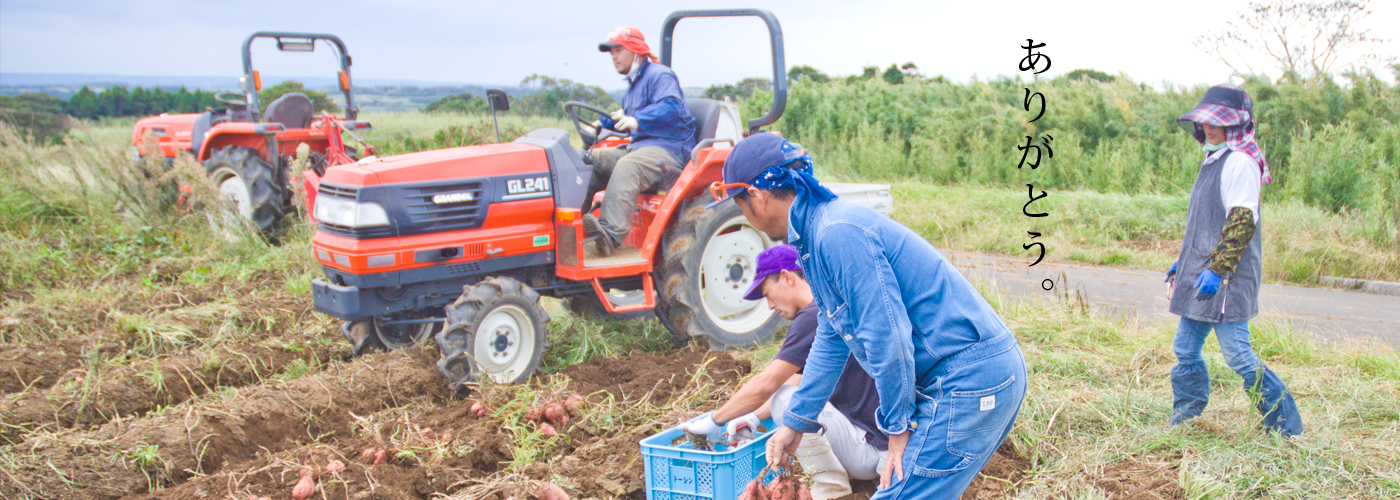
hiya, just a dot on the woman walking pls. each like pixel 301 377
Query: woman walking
pixel 1221 262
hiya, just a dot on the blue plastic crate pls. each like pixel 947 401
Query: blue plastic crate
pixel 680 472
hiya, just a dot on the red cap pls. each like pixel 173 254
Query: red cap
pixel 628 37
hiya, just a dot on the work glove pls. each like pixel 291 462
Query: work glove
pixel 592 129
pixel 1171 274
pixel 705 426
pixel 617 115
pixel 1207 284
pixel 742 428
pixel 626 123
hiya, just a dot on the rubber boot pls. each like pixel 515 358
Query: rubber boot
pixel 829 478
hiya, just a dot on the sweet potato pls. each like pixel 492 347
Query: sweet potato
pixel 555 414
pixel 533 414
pixel 381 456
pixel 304 488
pixel 754 491
pixel 574 403
pixel 782 489
pixel 548 430
pixel 367 455
pixel 335 466
pixel 479 409
pixel 803 492
pixel 549 491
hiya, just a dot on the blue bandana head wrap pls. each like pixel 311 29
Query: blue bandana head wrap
pixel 795 173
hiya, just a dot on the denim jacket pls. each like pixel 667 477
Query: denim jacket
pixel 889 298
pixel 656 100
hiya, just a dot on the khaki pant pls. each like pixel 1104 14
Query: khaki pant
pixel 832 458
pixel 624 175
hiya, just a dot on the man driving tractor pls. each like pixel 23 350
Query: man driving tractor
pixel 662 135
pixel 852 446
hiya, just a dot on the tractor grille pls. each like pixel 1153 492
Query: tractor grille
pixel 426 216
pixel 359 233
pixel 348 193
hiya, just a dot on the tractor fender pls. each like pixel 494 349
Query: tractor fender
pixel 238 134
pixel 708 167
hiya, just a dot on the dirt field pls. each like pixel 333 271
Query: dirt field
pixel 253 441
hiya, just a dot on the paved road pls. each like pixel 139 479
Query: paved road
pixel 1325 312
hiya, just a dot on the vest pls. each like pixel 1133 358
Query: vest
pixel 1238 298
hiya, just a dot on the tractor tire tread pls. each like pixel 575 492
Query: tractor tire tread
pixel 680 265
pixel 265 197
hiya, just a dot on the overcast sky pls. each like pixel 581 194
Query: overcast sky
pixel 500 42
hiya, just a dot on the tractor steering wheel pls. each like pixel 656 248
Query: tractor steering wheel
pixel 589 140
pixel 227 98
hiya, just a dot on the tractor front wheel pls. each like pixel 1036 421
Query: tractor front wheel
pixel 710 260
pixel 497 328
pixel 241 175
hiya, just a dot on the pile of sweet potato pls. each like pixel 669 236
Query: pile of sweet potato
pixel 785 487
pixel 554 416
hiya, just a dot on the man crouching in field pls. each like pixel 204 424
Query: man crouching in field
pixel 949 374
pixel 852 446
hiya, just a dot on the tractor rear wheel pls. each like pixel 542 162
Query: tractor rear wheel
pixel 376 332
pixel 496 328
pixel 709 261
pixel 239 173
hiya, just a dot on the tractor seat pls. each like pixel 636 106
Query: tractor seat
pixel 293 110
pixel 706 114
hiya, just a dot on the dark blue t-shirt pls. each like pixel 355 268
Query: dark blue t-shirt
pixel 855 395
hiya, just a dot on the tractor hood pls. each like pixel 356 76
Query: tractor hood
pixel 177 127
pixel 452 164
pixel 435 191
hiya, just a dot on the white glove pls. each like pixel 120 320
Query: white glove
pixel 742 428
pixel 617 115
pixel 704 427
pixel 626 123
pixel 592 129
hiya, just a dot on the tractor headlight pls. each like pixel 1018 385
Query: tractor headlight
pixel 350 213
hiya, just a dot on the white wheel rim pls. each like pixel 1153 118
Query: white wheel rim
pixel 504 343
pixel 726 269
pixel 232 186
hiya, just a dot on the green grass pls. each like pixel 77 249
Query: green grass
pixel 1099 391
pixel 1140 231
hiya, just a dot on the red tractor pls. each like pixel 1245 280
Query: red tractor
pixel 458 244
pixel 248 153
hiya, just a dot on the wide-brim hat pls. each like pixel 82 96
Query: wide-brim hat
pixel 1223 106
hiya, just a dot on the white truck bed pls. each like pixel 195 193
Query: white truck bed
pixel 875 196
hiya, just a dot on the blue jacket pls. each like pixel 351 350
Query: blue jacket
pixel 889 298
pixel 656 100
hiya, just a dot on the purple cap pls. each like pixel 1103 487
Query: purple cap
pixel 772 261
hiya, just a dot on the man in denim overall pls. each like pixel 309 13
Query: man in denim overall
pixel 949 374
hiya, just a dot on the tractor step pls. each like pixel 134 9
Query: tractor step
pixel 621 301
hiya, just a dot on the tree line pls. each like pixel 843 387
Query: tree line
pixel 117 101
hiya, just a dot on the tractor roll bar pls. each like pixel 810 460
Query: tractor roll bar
pixel 775 31
pixel 252 93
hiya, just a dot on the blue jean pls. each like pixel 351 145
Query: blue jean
pixel 1191 381
pixel 959 423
